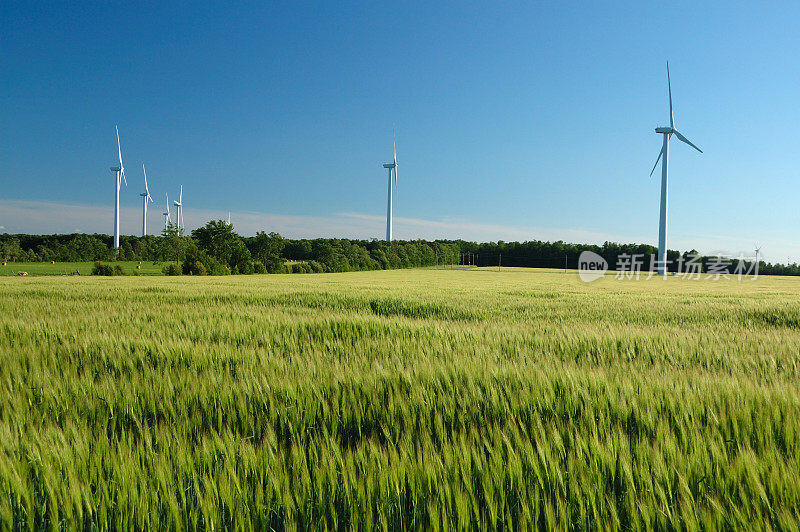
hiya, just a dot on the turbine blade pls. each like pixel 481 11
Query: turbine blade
pixel 394 134
pixel 669 87
pixel 119 148
pixel 180 198
pixel 122 170
pixel 684 139
pixel 147 190
pixel 657 159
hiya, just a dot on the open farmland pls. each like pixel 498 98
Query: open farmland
pixel 83 268
pixel 423 399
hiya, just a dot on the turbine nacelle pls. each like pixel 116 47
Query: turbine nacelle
pixel 390 165
pixel 665 129
pixel 115 168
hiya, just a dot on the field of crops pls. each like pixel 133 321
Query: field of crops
pixel 69 268
pixel 422 399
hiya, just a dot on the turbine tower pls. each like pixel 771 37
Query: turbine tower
pixel 167 216
pixel 392 167
pixel 120 172
pixel 145 198
pixel 667 132
pixel 179 209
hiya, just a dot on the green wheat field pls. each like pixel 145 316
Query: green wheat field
pixel 411 399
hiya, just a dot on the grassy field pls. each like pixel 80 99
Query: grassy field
pixel 422 399
pixel 66 268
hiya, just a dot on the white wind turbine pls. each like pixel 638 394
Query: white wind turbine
pixel 145 198
pixel 392 172
pixel 758 252
pixel 120 172
pixel 167 216
pixel 667 132
pixel 179 209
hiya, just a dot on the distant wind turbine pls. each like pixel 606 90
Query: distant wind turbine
pixel 145 198
pixel 120 172
pixel 167 216
pixel 667 132
pixel 392 173
pixel 179 209
pixel 758 251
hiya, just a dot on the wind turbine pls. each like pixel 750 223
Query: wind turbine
pixel 667 132
pixel 179 209
pixel 392 167
pixel 120 172
pixel 758 251
pixel 145 198
pixel 167 216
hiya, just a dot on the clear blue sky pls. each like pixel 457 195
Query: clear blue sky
pixel 515 120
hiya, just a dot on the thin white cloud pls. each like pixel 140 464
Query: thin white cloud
pixel 449 228
pixel 42 217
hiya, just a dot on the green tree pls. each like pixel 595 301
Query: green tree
pixel 173 243
pixel 240 258
pixel 194 256
pixel 297 250
pixel 265 245
pixel 11 250
pixel 126 251
pixel 267 249
pixel 218 239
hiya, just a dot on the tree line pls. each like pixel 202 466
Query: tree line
pixel 538 254
pixel 216 249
